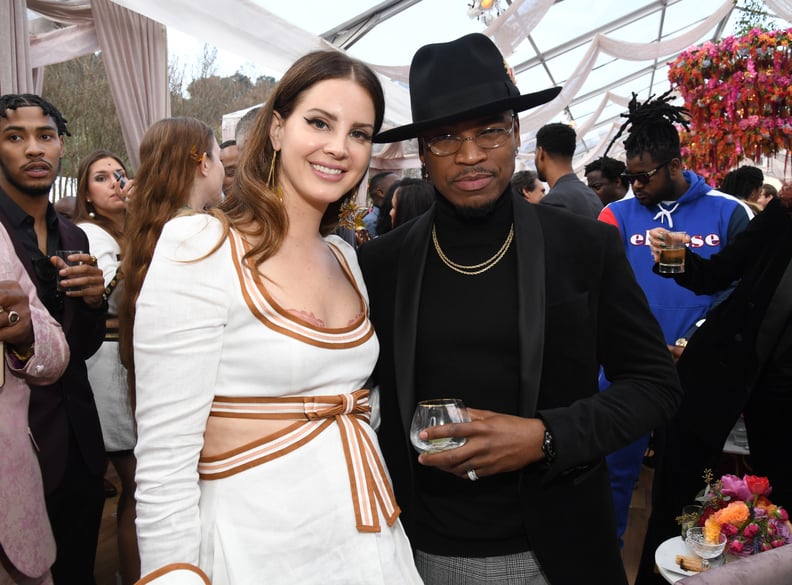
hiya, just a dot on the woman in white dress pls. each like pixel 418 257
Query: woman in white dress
pixel 100 211
pixel 252 348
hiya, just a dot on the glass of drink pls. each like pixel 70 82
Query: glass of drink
pixel 64 254
pixel 434 413
pixel 709 551
pixel 672 257
pixel 689 518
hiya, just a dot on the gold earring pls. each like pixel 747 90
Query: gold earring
pixel 271 175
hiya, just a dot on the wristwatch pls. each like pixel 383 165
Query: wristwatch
pixel 548 447
pixel 681 342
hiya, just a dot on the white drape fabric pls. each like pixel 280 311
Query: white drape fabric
pixel 248 29
pixel 15 74
pixel 782 8
pixel 63 44
pixel 512 27
pixel 623 50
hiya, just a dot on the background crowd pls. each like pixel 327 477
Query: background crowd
pixel 250 366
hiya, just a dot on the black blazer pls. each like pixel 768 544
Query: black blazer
pixel 579 307
pixel 66 411
pixel 732 346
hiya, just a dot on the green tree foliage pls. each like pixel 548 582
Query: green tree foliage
pixel 81 91
pixel 753 14
pixel 208 98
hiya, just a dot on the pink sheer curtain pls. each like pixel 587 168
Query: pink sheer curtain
pixel 15 74
pixel 134 50
pixel 135 55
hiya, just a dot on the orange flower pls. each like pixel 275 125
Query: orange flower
pixel 735 513
pixel 712 529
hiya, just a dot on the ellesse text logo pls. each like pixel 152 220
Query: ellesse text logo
pixel 696 241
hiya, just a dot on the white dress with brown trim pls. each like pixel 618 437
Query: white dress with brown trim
pixel 311 503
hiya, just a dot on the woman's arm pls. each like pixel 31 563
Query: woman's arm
pixel 178 333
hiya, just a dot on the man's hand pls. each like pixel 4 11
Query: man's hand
pixel 82 280
pixel 496 443
pixel 16 328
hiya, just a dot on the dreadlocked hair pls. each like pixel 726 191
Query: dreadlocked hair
pixel 651 127
pixel 13 101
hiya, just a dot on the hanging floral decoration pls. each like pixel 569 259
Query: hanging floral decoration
pixel 739 94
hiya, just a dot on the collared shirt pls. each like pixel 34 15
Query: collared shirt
pixel 23 227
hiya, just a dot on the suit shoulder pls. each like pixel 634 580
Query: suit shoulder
pixel 552 215
pixel 388 243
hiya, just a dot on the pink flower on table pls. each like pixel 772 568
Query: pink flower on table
pixel 736 547
pixel 735 486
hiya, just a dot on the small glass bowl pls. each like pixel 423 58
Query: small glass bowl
pixel 698 544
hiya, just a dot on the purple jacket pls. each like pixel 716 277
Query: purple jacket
pixel 25 533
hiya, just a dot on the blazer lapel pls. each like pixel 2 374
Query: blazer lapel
pixel 532 302
pixel 405 318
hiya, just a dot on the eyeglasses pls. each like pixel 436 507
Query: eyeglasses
pixel 643 177
pixel 489 138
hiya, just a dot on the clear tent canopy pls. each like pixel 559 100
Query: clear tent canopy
pixel 604 49
pixel 600 52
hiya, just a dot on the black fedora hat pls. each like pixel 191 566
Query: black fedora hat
pixel 465 78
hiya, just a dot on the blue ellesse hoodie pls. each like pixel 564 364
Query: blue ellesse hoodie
pixel 710 218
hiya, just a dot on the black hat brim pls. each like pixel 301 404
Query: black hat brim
pixel 515 103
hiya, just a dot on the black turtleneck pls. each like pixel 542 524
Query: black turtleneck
pixel 467 347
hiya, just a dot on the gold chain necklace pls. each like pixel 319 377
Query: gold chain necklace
pixel 476 268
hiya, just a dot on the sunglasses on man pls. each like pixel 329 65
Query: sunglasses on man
pixel 643 177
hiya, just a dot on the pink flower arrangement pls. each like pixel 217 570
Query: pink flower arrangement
pixel 739 93
pixel 740 509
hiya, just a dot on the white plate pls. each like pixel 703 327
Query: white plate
pixel 665 557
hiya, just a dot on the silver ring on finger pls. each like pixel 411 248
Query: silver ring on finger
pixel 13 318
pixel 472 475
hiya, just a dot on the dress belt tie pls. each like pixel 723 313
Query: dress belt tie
pixel 367 478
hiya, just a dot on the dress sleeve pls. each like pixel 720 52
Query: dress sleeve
pixel 181 313
pixel 105 248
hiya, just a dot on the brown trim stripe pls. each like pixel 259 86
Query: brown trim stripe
pixel 368 481
pixel 267 310
pixel 170 569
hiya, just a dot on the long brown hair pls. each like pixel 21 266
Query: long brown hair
pixel 252 207
pixel 169 153
pixel 81 211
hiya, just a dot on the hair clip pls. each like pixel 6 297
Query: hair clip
pixel 195 156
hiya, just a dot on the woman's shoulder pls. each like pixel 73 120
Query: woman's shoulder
pixel 93 230
pixel 190 236
pixel 340 243
pixel 98 237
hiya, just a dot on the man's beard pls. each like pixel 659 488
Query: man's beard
pixel 475 213
pixel 30 190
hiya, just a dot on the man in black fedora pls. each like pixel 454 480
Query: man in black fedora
pixel 510 307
